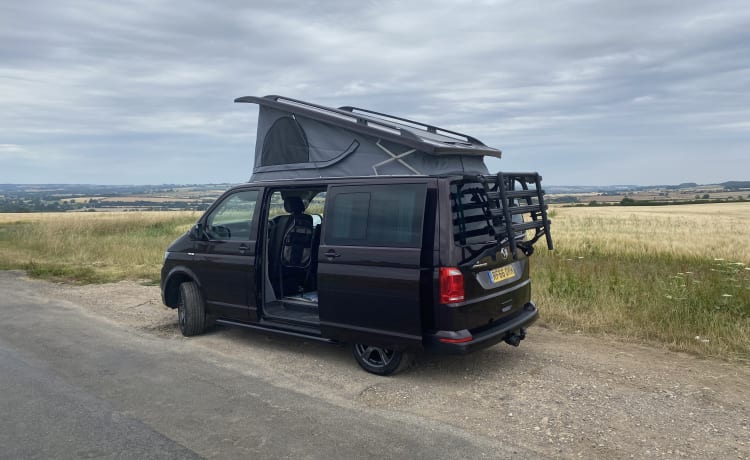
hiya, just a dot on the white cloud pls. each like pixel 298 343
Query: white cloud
pixel 742 126
pixel 13 151
pixel 24 155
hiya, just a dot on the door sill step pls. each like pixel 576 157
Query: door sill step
pixel 280 328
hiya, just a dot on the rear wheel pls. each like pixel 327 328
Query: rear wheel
pixel 379 360
pixel 191 312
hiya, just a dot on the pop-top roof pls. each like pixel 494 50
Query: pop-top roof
pixel 300 139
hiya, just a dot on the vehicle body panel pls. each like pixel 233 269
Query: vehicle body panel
pixel 379 295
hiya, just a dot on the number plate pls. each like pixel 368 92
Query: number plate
pixel 502 273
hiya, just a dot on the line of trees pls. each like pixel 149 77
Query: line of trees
pixel 37 204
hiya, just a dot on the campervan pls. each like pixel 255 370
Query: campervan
pixel 366 229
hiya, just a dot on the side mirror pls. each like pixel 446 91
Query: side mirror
pixel 196 233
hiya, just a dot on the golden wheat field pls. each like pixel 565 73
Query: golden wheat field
pixel 719 230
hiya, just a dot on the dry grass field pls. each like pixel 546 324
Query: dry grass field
pixel 677 275
pixel 86 247
pixel 672 275
pixel 707 230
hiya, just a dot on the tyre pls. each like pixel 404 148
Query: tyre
pixel 379 360
pixel 191 312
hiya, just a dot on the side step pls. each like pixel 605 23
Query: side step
pixel 280 328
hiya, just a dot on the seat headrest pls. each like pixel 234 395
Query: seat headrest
pixel 294 205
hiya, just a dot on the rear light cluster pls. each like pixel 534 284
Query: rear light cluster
pixel 461 340
pixel 451 285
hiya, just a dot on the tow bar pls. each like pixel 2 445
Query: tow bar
pixel 515 338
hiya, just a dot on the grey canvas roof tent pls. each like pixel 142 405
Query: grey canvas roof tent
pixel 297 139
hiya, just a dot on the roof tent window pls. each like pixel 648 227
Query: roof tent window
pixel 285 143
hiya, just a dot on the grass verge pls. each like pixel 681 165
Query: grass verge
pixel 690 304
pixel 677 275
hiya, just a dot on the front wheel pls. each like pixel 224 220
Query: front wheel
pixel 191 312
pixel 379 360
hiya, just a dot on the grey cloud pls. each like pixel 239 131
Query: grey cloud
pixel 586 91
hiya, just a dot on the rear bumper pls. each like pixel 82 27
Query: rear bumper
pixel 466 341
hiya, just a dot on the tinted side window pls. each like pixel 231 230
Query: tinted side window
pixel 380 215
pixel 350 217
pixel 233 218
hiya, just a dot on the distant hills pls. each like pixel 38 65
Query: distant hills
pixel 640 195
pixel 96 189
pixel 86 189
pixel 577 189
pixel 87 197
pixel 197 197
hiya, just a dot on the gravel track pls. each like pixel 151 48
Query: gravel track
pixel 560 395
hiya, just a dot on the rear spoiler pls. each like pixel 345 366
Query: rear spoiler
pixel 506 195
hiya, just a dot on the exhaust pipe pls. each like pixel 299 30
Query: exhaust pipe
pixel 515 338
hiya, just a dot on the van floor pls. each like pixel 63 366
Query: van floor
pixel 297 309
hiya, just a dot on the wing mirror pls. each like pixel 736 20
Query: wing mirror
pixel 196 233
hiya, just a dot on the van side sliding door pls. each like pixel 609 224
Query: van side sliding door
pixel 369 264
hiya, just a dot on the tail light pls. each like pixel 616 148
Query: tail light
pixel 451 285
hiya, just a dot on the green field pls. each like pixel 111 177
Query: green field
pixel 673 275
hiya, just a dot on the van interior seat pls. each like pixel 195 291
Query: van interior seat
pixel 289 248
pixel 311 276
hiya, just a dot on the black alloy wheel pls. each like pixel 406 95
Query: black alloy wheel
pixel 378 360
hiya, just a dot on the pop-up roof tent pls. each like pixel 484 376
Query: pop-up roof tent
pixel 298 139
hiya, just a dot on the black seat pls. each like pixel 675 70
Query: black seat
pixel 311 277
pixel 289 251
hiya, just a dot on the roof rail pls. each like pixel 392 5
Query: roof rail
pixel 429 128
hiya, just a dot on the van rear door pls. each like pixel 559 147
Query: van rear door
pixel 490 246
pixel 369 264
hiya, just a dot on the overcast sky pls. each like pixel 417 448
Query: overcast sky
pixel 586 92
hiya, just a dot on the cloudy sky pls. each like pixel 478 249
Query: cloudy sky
pixel 586 92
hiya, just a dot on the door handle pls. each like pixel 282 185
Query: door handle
pixel 331 254
pixel 243 247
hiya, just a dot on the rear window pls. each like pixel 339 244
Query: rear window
pixel 376 215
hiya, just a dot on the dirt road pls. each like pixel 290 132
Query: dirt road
pixel 556 395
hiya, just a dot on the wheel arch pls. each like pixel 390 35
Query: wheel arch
pixel 171 290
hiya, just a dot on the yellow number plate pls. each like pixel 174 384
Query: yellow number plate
pixel 502 273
